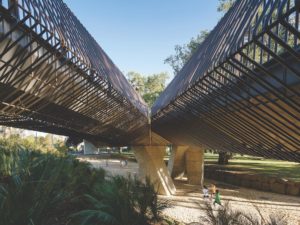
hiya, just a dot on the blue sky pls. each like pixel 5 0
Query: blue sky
pixel 139 34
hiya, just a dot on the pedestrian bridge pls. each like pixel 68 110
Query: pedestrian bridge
pixel 54 77
pixel 240 92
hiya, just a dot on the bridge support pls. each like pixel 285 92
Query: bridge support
pixel 194 161
pixel 189 160
pixel 89 148
pixel 176 164
pixel 152 165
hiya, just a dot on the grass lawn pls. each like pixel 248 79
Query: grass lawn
pixel 274 168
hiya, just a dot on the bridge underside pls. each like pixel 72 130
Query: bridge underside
pixel 55 78
pixel 240 92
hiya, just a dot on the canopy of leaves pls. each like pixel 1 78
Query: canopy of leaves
pixel 150 86
pixel 225 5
pixel 184 52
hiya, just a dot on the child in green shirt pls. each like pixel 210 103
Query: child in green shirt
pixel 217 198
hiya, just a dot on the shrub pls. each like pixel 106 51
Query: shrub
pixel 121 201
pixel 54 189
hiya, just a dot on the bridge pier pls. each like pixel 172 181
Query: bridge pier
pixel 152 165
pixel 89 148
pixel 189 160
pixel 194 161
pixel 176 164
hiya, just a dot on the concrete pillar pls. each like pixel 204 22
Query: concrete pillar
pixel 152 165
pixel 176 164
pixel 89 148
pixel 194 161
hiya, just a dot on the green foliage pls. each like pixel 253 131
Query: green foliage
pixel 225 5
pixel 121 201
pixel 150 86
pixel 137 80
pixel 184 52
pixel 40 143
pixel 39 188
pixel 257 165
pixel 55 189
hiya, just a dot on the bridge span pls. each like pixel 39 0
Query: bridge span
pixel 54 77
pixel 240 91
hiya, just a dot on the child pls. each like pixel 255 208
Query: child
pixel 205 192
pixel 217 198
pixel 212 190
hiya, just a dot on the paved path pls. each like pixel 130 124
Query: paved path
pixel 188 204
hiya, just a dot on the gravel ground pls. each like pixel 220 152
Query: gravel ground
pixel 188 204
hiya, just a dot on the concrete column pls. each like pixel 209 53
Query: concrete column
pixel 176 164
pixel 194 161
pixel 89 148
pixel 152 165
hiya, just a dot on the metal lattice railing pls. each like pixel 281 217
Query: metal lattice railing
pixel 55 77
pixel 240 91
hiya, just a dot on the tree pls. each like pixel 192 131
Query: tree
pixel 224 158
pixel 225 5
pixel 137 81
pixel 154 85
pixel 150 86
pixel 184 52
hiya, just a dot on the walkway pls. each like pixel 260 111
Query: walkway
pixel 188 204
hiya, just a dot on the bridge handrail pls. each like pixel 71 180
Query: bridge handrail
pixel 78 45
pixel 240 29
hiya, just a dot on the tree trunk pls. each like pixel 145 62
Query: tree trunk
pixel 224 158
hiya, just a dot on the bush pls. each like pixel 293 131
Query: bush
pixel 54 189
pixel 121 201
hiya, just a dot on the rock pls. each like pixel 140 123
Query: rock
pixel 278 187
pixel 272 180
pixel 232 178
pixel 256 185
pixel 297 184
pixel 252 177
pixel 265 186
pixel 237 179
pixel 246 183
pixel 292 189
pixel 220 175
